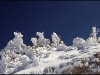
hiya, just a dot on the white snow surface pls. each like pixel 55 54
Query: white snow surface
pixel 56 58
pixel 45 57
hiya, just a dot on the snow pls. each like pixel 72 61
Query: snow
pixel 34 40
pixel 48 58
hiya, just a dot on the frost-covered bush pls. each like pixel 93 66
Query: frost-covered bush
pixel 78 42
pixel 93 36
pixel 61 47
pixel 17 41
pixel 34 41
pixel 47 43
pixel 55 39
pixel 90 41
pixel 94 33
pixel 41 41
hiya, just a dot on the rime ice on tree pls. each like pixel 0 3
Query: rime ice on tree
pixel 17 41
pixel 41 41
pixel 55 39
pixel 34 41
pixel 94 34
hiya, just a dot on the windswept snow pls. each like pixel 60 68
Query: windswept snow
pixel 48 58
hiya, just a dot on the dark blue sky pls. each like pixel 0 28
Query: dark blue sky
pixel 69 19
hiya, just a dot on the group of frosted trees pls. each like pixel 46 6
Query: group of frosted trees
pixel 56 41
pixel 43 42
pixel 17 54
pixel 92 40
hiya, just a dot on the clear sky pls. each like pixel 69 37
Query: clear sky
pixel 69 19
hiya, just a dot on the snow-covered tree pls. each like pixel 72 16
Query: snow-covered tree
pixel 34 41
pixel 41 41
pixel 78 42
pixel 90 41
pixel 47 43
pixel 55 39
pixel 18 39
pixel 94 33
pixel 93 37
pixel 16 42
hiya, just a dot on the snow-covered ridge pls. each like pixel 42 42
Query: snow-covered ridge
pixel 46 57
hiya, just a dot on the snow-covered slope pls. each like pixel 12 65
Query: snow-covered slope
pixel 51 58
